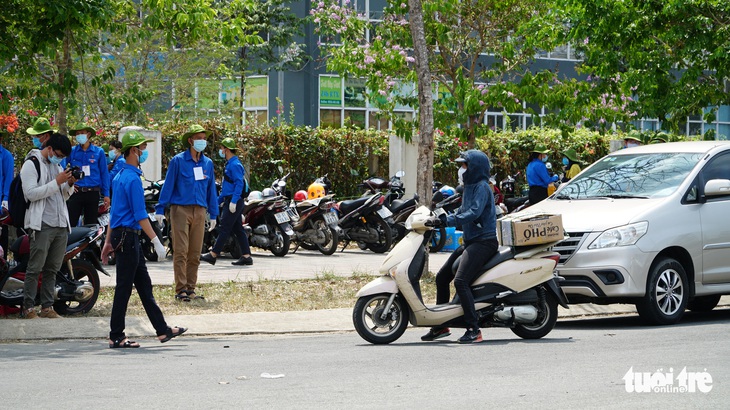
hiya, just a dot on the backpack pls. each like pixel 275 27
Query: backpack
pixel 16 202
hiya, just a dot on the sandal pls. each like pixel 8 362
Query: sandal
pixel 182 296
pixel 117 344
pixel 169 335
pixel 192 295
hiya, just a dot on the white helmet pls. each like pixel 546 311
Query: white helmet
pixel 268 193
pixel 255 196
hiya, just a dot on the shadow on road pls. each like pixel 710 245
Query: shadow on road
pixel 634 321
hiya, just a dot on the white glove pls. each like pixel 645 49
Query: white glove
pixel 161 251
pixel 159 218
pixel 232 207
pixel 5 204
pixel 212 225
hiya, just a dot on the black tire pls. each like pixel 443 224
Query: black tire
pixel 148 249
pixel 83 271
pixel 308 246
pixel 544 323
pixel 703 303
pixel 438 240
pixel 333 238
pixel 281 242
pixel 371 327
pixel 385 235
pixel 667 293
pixel 233 248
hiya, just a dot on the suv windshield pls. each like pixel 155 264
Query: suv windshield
pixel 631 176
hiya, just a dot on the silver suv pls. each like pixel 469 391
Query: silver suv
pixel 648 226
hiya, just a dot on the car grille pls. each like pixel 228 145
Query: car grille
pixel 568 246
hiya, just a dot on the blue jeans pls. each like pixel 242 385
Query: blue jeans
pixel 132 271
pixel 473 256
pixel 231 223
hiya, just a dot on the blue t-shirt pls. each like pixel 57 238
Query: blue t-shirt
pixel 128 207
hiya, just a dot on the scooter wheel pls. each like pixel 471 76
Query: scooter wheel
pixel 83 271
pixel 544 323
pixel 375 327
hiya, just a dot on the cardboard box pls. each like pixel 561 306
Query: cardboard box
pixel 454 239
pixel 529 229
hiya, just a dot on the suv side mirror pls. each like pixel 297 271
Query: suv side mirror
pixel 717 187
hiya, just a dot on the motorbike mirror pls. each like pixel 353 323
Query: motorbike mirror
pixel 400 174
pixel 280 168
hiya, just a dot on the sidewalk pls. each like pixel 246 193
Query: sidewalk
pixel 302 265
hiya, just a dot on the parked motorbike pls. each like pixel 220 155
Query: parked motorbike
pixel 512 202
pixel 77 282
pixel 315 223
pixel 363 220
pixel 151 197
pixel 400 208
pixel 266 219
pixel 517 289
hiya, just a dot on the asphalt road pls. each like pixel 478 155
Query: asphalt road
pixel 581 364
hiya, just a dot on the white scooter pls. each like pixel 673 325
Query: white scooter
pixel 518 289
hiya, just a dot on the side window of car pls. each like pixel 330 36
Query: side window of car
pixel 718 168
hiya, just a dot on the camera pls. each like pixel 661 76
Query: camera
pixel 76 172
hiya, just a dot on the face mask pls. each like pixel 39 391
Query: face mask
pixel 54 159
pixel 199 145
pixel 81 138
pixel 36 142
pixel 143 156
pixel 462 170
pixel 544 158
pixel 221 153
pixel 112 154
pixel 565 162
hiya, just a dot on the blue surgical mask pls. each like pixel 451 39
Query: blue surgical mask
pixel 54 159
pixel 199 145
pixel 143 156
pixel 37 142
pixel 81 138
pixel 221 153
pixel 112 154
pixel 544 158
pixel 565 161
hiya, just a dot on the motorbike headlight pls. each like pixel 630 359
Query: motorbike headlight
pixel 620 236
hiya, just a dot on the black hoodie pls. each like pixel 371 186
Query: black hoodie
pixel 476 214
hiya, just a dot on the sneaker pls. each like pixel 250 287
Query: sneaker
pixel 30 314
pixel 49 314
pixel 436 333
pixel 471 336
pixel 243 260
pixel 207 257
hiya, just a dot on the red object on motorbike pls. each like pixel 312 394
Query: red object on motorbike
pixel 300 195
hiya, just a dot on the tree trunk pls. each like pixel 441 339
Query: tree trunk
pixel 424 140
pixel 64 67
pixel 241 104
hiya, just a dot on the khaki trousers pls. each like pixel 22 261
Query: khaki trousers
pixel 187 223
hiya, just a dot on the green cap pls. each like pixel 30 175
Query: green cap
pixel 540 149
pixel 133 139
pixel 572 155
pixel 229 143
pixel 40 126
pixel 194 129
pixel 633 135
pixel 83 127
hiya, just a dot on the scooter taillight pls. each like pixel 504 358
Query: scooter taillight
pixel 555 258
pixel 381 200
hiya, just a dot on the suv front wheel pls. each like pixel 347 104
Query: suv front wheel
pixel 667 293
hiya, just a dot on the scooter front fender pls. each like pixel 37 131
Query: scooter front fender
pixel 383 284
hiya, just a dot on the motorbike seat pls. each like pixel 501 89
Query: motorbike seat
pixel 399 204
pixel 504 253
pixel 348 206
pixel 77 233
pixel 513 203
pixel 21 245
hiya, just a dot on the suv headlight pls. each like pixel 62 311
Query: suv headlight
pixel 620 236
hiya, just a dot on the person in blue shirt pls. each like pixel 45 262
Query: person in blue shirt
pixel 95 183
pixel 478 218
pixel 128 219
pixel 189 190
pixel 7 167
pixel 232 197
pixel 538 177
pixel 116 160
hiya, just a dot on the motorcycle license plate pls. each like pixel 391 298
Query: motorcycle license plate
pixel 330 218
pixel 281 217
pixel 104 220
pixel 384 212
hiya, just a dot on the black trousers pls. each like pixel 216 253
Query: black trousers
pixel 537 194
pixel 132 271
pixel 473 256
pixel 83 203
pixel 231 223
